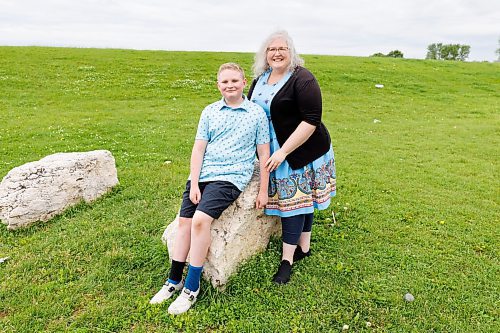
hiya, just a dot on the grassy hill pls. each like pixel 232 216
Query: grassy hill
pixel 417 208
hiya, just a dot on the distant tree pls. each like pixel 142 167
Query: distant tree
pixel 439 51
pixel 463 52
pixel 450 51
pixel 395 54
pixel 378 54
pixel 434 51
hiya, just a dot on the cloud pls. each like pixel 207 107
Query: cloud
pixel 356 27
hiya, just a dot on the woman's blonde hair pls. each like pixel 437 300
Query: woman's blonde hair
pixel 260 64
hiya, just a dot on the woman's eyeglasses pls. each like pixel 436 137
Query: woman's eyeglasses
pixel 276 49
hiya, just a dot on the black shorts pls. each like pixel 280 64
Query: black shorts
pixel 216 196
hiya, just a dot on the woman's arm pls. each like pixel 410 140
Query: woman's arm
pixel 309 103
pixel 296 139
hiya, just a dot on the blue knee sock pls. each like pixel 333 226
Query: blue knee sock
pixel 193 278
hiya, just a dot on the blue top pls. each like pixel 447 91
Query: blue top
pixel 233 135
pixel 298 100
pixel 264 92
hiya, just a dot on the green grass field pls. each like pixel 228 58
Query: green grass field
pixel 417 208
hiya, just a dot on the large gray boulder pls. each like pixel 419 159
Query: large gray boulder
pixel 241 232
pixel 37 191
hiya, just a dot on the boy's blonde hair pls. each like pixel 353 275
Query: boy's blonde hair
pixel 233 66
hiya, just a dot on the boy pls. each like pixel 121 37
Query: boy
pixel 229 132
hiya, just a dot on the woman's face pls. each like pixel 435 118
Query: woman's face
pixel 278 55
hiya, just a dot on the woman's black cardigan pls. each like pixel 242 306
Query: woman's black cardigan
pixel 299 100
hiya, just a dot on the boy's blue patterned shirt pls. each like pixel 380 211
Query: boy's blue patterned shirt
pixel 233 135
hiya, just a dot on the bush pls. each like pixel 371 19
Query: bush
pixel 395 54
pixel 392 54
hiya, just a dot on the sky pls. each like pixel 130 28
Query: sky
pixel 344 27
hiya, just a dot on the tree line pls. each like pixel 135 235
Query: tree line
pixel 440 51
pixel 437 51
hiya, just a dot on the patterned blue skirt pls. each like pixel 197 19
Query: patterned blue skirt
pixel 294 192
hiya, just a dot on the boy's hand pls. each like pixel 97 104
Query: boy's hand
pixel 262 200
pixel 195 194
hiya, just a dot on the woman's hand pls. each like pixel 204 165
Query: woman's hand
pixel 195 194
pixel 275 160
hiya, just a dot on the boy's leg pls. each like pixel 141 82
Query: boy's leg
pixel 200 242
pixel 180 250
pixel 215 198
pixel 200 238
pixel 182 242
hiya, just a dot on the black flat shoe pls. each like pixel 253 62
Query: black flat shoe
pixel 299 254
pixel 282 276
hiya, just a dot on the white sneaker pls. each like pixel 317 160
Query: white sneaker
pixel 183 302
pixel 166 292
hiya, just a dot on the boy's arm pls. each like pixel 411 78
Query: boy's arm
pixel 197 154
pixel 263 151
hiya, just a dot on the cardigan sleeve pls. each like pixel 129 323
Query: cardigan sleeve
pixel 252 86
pixel 308 96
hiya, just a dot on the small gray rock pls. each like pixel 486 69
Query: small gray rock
pixel 409 297
pixel 2 260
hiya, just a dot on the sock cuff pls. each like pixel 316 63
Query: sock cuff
pixel 172 281
pixel 178 262
pixel 195 268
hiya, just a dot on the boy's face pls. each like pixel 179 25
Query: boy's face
pixel 231 84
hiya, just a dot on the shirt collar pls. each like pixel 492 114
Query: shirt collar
pixel 244 106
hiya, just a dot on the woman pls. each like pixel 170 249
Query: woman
pixel 302 163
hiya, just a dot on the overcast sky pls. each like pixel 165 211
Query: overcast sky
pixel 343 27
